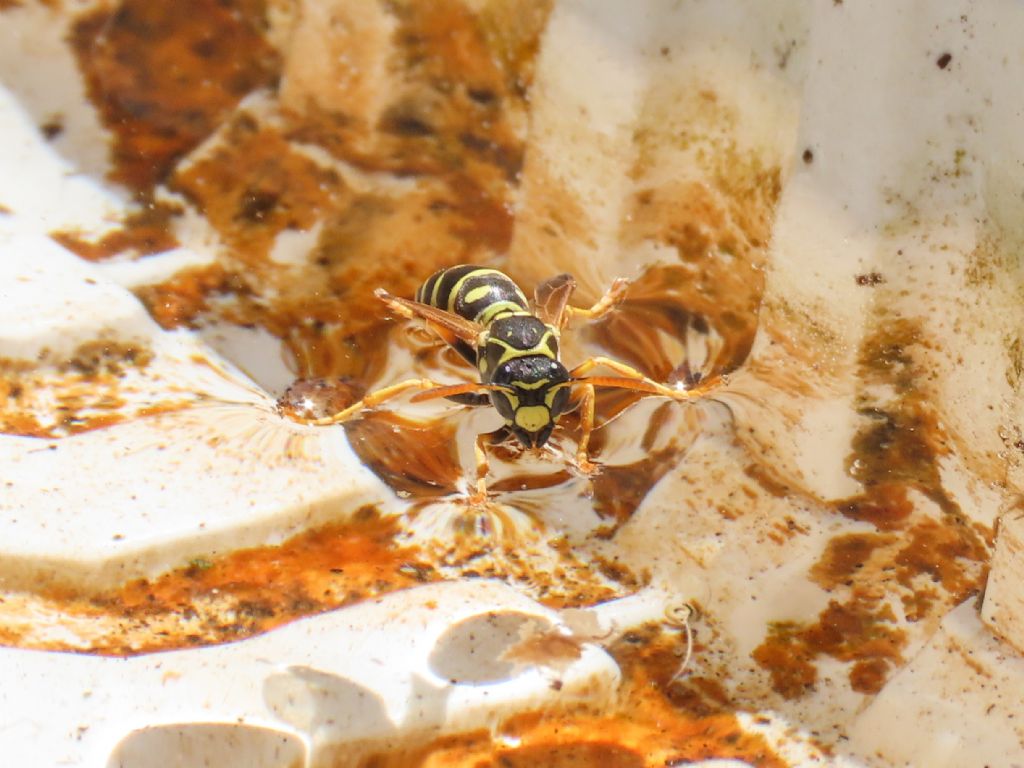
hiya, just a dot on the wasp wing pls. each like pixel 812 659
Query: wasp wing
pixel 552 297
pixel 447 325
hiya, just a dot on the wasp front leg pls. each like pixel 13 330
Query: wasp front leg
pixel 372 400
pixel 635 380
pixel 479 495
pixel 586 409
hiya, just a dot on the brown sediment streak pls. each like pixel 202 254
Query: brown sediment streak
pixel 163 76
pixel 145 232
pixel 220 599
pixel 655 723
pixel 924 562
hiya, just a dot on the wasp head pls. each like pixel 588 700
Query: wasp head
pixel 534 392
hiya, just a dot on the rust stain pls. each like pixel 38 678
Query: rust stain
pixel 449 109
pixel 145 232
pixel 927 561
pixel 547 648
pixel 619 490
pixel 860 630
pixel 847 554
pixel 180 300
pixel 164 75
pixel 652 725
pixel 224 598
pixel 253 185
pixel 84 392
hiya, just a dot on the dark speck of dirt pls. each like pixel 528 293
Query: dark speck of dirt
pixel 943 60
pixel 808 156
pixel 870 278
pixel 52 128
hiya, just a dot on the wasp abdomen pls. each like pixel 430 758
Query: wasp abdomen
pixel 478 294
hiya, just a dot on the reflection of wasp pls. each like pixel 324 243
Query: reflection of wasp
pixel 485 317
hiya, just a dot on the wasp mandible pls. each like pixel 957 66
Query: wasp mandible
pixel 486 318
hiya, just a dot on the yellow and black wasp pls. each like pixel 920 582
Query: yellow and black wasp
pixel 486 318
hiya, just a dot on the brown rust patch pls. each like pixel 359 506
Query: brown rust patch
pixel 220 599
pixel 181 299
pixel 86 391
pixel 499 541
pixel 530 482
pixel 96 358
pixel 549 648
pixel 619 490
pixel 860 630
pixel 651 725
pixel 149 230
pixel 940 555
pixel 845 556
pixel 448 109
pixel 886 506
pixel 163 75
pixel 252 185
pixel 927 561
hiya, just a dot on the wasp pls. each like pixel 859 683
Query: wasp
pixel 482 314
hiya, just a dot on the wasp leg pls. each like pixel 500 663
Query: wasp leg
pixel 635 380
pixel 466 393
pixel 479 495
pixel 604 305
pixel 374 399
pixel 586 406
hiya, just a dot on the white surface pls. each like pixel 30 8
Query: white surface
pixel 51 302
pixel 1003 608
pixel 956 704
pixel 161 490
pixel 39 82
pixel 362 677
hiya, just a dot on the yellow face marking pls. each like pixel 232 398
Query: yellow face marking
pixel 549 396
pixel 531 384
pixel 532 418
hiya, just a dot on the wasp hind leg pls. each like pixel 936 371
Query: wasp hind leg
pixel 372 400
pixel 612 298
pixel 551 301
